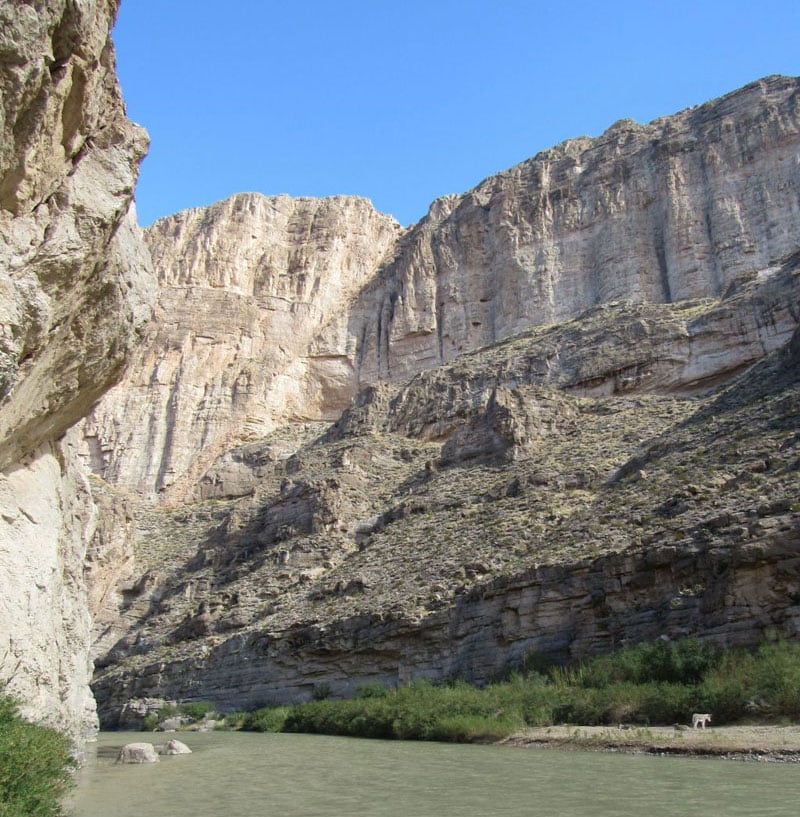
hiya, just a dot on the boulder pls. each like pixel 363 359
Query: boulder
pixel 138 753
pixel 173 747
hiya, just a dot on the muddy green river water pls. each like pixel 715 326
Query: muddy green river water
pixel 288 775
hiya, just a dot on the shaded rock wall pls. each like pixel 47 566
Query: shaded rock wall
pixel 540 520
pixel 74 295
pixel 559 612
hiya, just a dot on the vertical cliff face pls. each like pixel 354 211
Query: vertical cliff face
pixel 74 281
pixel 674 209
pixel 245 285
pixel 274 310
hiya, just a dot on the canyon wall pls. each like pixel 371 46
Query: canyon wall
pixel 661 212
pixel 558 414
pixel 544 524
pixel 273 310
pixel 244 286
pixel 75 293
pixel 556 613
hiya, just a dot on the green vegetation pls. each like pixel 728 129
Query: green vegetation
pixel 35 766
pixel 189 712
pixel 265 719
pixel 651 683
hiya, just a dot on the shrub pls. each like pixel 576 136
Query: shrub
pixel 776 678
pixel 35 766
pixel 196 710
pixel 265 719
pixel 235 720
pixel 677 662
pixel 371 691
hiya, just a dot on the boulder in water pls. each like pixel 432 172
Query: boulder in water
pixel 174 747
pixel 138 753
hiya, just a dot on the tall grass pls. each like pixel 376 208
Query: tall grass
pixel 651 683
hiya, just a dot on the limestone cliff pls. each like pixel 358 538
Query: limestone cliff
pixel 674 209
pixel 244 286
pixel 573 421
pixel 273 310
pixel 74 280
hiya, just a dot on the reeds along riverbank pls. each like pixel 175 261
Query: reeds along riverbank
pixel 648 684
pixel 653 683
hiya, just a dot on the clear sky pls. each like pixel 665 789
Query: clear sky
pixel 406 101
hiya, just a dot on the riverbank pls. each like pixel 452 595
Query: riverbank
pixel 777 744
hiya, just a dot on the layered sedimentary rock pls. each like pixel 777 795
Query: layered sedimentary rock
pixel 274 311
pixel 671 210
pixel 570 420
pixel 564 525
pixel 74 281
pixel 244 286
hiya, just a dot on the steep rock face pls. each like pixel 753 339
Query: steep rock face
pixel 538 455
pixel 671 210
pixel 244 286
pixel 74 280
pixel 273 310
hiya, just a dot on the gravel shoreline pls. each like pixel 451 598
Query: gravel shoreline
pixel 764 744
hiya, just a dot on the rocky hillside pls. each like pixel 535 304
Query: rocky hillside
pixel 516 517
pixel 75 278
pixel 571 420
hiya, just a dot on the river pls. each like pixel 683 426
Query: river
pixel 232 773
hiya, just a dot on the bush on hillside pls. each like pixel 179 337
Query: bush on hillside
pixel 35 766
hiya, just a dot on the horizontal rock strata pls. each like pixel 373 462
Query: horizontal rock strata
pixel 564 525
pixel 274 311
pixel 671 210
pixel 570 421
pixel 244 287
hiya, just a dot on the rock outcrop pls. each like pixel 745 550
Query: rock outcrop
pixel 671 210
pixel 571 421
pixel 378 556
pixel 74 281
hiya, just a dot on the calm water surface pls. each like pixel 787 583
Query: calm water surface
pixel 291 775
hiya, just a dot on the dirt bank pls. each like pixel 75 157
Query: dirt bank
pixel 761 743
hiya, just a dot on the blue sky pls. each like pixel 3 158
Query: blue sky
pixel 404 102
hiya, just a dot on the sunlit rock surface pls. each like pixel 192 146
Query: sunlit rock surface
pixel 75 292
